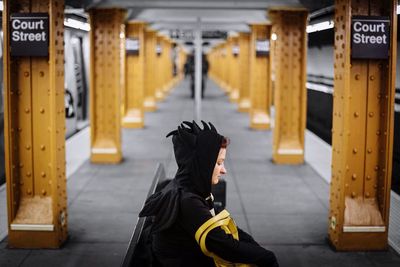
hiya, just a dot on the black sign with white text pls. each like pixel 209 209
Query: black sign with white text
pixel 132 46
pixel 158 49
pixel 235 50
pixel 29 34
pixel 370 37
pixel 262 47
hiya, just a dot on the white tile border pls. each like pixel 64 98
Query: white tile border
pixel 32 227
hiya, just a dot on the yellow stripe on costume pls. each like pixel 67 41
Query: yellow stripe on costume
pixel 227 224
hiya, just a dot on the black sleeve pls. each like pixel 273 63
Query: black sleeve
pixel 243 236
pixel 194 212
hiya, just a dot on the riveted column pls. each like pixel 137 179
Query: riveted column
pixel 150 80
pixel 234 69
pixel 182 59
pixel 159 65
pixel 105 74
pixel 213 60
pixel 244 64
pixel 228 66
pixel 290 78
pixel 362 133
pixel 214 65
pixel 133 114
pixel 168 81
pixel 35 134
pixel 259 79
pixel 225 68
pixel 219 63
pixel 166 58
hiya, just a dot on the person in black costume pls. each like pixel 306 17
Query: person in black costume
pixel 186 203
pixel 190 70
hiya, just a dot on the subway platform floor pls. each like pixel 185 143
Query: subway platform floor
pixel 285 208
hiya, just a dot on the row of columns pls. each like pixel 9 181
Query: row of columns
pixel 245 75
pixel 362 133
pixel 122 87
pixel 140 80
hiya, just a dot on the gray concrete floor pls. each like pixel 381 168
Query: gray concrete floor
pixel 285 208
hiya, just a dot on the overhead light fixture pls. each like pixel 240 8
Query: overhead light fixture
pixel 76 24
pixel 274 36
pixel 321 26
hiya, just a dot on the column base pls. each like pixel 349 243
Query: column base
pixel 259 120
pixel 34 239
pixel 234 96
pixel 166 88
pixel 227 89
pixel 150 105
pixel 244 105
pixel 33 225
pixel 105 155
pixel 290 153
pixel 159 94
pixel 133 119
pixel 362 241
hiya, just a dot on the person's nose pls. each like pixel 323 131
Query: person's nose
pixel 223 170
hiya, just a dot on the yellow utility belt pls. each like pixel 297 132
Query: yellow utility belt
pixel 223 220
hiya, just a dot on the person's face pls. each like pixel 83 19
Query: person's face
pixel 219 168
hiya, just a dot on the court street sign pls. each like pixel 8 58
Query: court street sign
pixel 29 34
pixel 370 37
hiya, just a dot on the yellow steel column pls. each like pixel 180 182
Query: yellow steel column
pixel 259 79
pixel 133 115
pixel 221 69
pixel 228 66
pixel 290 92
pixel 181 62
pixel 221 62
pixel 166 58
pixel 234 69
pixel 362 134
pixel 172 50
pixel 105 80
pixel 213 64
pixel 244 64
pixel 150 80
pixel 168 78
pixel 159 66
pixel 225 68
pixel 34 134
pixel 217 67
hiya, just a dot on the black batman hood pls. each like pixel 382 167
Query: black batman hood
pixel 196 152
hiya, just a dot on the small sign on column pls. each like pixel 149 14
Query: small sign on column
pixel 370 37
pixel 29 34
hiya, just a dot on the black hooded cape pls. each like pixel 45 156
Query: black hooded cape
pixel 184 204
